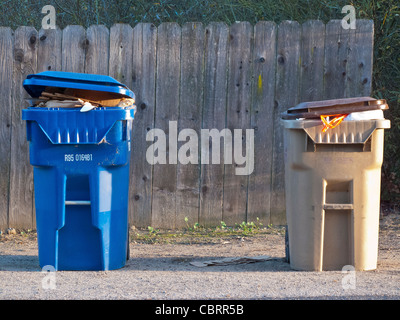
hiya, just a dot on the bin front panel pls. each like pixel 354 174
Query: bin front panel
pixel 82 218
pixel 81 189
pixel 114 151
pixel 70 126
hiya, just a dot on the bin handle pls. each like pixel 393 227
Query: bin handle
pixel 77 203
pixel 333 123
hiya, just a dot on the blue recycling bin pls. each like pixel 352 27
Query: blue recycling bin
pixel 81 175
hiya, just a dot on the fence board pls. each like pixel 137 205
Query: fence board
pixel 120 66
pixel 336 52
pixel 98 49
pixel 74 46
pixel 311 82
pixel 144 86
pixel 21 172
pixel 359 66
pixel 214 111
pixel 264 56
pixel 49 58
pixel 49 50
pixel 6 77
pixel 167 109
pixel 190 115
pixel 238 117
pixel 286 96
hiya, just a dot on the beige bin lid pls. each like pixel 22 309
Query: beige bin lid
pixel 357 131
pixel 315 109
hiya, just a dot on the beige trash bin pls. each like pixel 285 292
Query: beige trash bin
pixel 332 182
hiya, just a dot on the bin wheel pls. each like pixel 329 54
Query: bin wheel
pixel 287 254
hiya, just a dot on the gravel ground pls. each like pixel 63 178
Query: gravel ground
pixel 163 271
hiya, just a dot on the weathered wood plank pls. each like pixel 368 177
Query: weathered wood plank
pixel 359 61
pixel 312 61
pixel 238 117
pixel 286 96
pixel 264 59
pixel 120 64
pixel 74 45
pixel 21 173
pixel 98 49
pixel 167 111
pixel 6 77
pixel 214 111
pixel 49 50
pixel 144 87
pixel 49 58
pixel 190 112
pixel 335 61
pixel 121 57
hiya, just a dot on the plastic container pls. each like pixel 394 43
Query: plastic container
pixel 332 182
pixel 81 176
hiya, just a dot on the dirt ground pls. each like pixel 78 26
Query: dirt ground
pixel 161 270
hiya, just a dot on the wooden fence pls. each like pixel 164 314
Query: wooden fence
pixel 216 76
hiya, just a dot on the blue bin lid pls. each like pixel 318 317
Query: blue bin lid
pixel 35 84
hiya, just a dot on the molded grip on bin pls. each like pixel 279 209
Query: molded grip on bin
pixel 348 132
pixel 70 126
pixel 338 206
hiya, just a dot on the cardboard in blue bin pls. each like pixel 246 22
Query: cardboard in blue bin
pixel 56 89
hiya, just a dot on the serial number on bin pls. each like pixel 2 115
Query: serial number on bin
pixel 78 157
